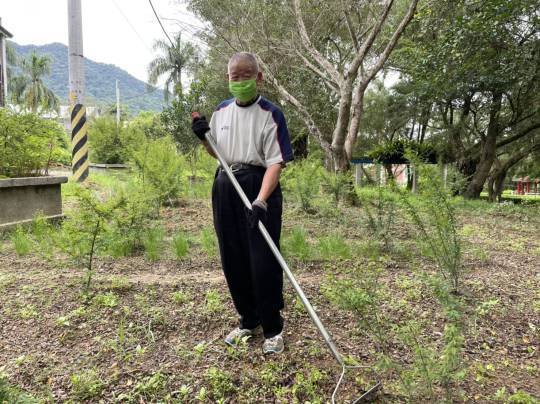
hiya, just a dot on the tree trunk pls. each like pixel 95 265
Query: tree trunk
pixel 487 154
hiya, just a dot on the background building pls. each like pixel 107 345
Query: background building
pixel 4 34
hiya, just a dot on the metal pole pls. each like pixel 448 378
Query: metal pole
pixel 311 311
pixel 117 104
pixel 79 130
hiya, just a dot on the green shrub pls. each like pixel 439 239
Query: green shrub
pixel 153 243
pixel 333 246
pixel 161 168
pixel 86 385
pixel 380 208
pixel 28 144
pixel 208 241
pixel 21 242
pixel 296 244
pixel 180 245
pixel 112 144
pixel 220 383
pixel 336 183
pixel 82 234
pixel 127 227
pixel 213 302
pixel 12 394
pixel 302 181
pixel 434 216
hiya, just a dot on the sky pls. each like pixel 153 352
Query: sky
pixel 118 32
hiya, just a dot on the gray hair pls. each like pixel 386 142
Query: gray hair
pixel 244 56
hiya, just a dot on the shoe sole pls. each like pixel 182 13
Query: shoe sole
pixel 270 352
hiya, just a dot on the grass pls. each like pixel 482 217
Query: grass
pixel 86 385
pixel 153 243
pixel 296 244
pixel 21 242
pixel 208 241
pixel 332 247
pixel 154 332
pixel 180 245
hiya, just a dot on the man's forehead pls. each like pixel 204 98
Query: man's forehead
pixel 241 64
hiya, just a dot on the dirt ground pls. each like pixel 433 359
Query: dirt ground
pixel 154 332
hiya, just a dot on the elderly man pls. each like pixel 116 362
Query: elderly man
pixel 251 134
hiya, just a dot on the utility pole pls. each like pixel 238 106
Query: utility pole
pixel 79 130
pixel 117 104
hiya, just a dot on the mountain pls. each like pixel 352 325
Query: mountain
pixel 100 80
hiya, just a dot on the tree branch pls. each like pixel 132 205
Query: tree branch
pixel 287 96
pixel 393 41
pixel 368 43
pixel 315 54
pixel 319 72
pixel 519 135
pixel 350 27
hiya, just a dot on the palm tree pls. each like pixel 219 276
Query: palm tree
pixel 28 88
pixel 173 61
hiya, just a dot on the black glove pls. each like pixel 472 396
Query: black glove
pixel 199 126
pixel 256 213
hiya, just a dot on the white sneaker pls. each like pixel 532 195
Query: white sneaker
pixel 273 345
pixel 236 335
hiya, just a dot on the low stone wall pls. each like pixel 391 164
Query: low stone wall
pixel 22 198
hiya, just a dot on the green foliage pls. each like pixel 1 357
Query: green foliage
pixel 395 152
pixel 336 183
pixel 11 394
pixel 220 383
pixel 152 386
pixel 434 216
pixel 173 61
pixel 333 246
pixel 296 244
pixel 150 124
pixel 21 242
pixel 127 228
pixel 86 385
pixel 160 167
pixel 28 89
pixel 382 215
pixel 83 232
pixel 208 241
pixel 302 181
pixel 213 302
pixel 28 144
pixel 179 297
pixel 180 245
pixel 362 292
pixel 112 144
pixel 153 243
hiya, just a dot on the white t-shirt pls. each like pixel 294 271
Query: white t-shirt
pixel 255 134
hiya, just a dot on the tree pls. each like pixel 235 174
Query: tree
pixel 480 73
pixel 173 62
pixel 328 58
pixel 28 88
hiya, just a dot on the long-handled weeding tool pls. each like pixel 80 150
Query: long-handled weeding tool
pixel 314 317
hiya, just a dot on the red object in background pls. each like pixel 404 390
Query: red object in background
pixel 518 190
pixel 527 180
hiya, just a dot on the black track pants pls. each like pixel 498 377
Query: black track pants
pixel 253 274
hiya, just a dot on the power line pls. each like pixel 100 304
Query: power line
pixel 131 26
pixel 162 27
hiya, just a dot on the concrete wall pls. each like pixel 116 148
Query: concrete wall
pixel 22 198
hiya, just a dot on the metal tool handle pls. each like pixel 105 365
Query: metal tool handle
pixel 279 257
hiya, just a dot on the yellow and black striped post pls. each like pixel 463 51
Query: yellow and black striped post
pixel 79 141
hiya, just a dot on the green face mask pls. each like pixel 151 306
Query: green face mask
pixel 244 90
